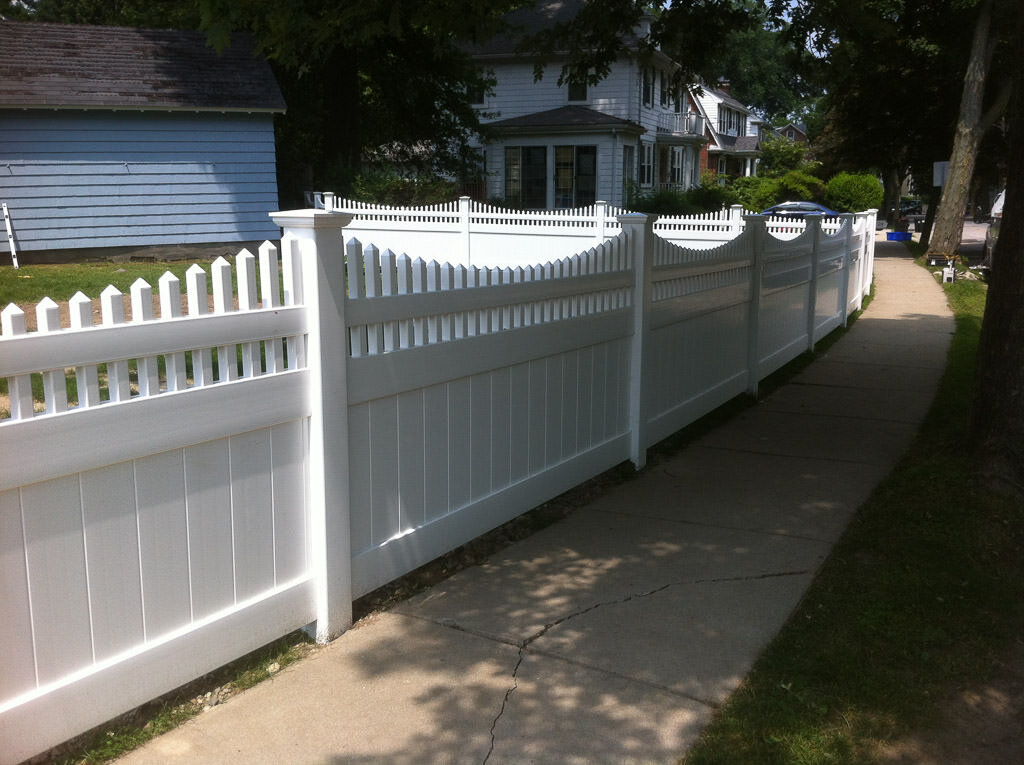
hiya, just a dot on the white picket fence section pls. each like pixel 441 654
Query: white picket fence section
pixel 224 477
pixel 473 233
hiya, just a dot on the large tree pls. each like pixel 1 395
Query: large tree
pixel 998 421
pixel 983 100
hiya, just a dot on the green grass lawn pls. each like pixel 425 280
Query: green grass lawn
pixel 920 597
pixel 30 284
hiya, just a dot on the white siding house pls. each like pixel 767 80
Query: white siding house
pixel 129 138
pixel 554 146
pixel 734 130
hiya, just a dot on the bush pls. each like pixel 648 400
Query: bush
pixel 800 186
pixel 387 187
pixel 756 193
pixel 847 192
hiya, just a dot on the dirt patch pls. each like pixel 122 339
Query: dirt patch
pixel 979 725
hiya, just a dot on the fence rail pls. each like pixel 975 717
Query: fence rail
pixel 468 232
pixel 198 483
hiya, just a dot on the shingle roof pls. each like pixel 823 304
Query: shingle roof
pixel 91 67
pixel 565 117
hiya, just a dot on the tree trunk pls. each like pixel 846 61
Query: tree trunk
pixel 997 426
pixel 949 221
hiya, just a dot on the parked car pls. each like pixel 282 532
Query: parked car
pixel 911 207
pixel 798 210
pixel 992 235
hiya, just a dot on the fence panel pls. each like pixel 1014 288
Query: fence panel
pixel 461 428
pixel 154 522
pixel 699 312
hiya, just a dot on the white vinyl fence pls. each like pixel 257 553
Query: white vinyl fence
pixel 219 478
pixel 472 233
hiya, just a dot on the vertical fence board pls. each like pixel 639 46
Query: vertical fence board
pixel 501 426
pixel 112 555
pixel 555 413
pixel 435 407
pixel 412 447
pixel 459 442
pixel 291 542
pixel 208 486
pixel 519 422
pixel 537 410
pixel 599 395
pixel 252 517
pixel 384 508
pixel 163 542
pixel 52 515
pixel 584 404
pixel 570 403
pixel 359 470
pixel 19 674
pixel 480 436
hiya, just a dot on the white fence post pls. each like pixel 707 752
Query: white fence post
pixel 736 218
pixel 601 221
pixel 316 237
pixel 755 224
pixel 464 230
pixel 639 229
pixel 844 286
pixel 814 225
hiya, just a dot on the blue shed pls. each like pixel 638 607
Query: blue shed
pixel 129 138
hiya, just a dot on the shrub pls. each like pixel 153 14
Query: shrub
pixel 847 192
pixel 387 187
pixel 800 186
pixel 756 193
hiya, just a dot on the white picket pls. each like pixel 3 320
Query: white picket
pixel 55 388
pixel 245 267
pixel 170 308
pixel 195 288
pixel 86 375
pixel 142 311
pixel 270 294
pixel 224 302
pixel 19 388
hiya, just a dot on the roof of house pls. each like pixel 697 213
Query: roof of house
pixel 566 118
pixel 90 67
pixel 744 144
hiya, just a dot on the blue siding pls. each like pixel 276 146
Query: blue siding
pixel 114 179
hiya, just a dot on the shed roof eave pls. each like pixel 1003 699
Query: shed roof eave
pixel 140 108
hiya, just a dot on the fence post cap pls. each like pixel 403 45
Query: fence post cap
pixel 636 218
pixel 310 219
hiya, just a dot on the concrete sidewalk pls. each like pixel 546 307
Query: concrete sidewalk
pixel 614 635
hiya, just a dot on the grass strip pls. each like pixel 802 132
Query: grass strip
pixel 920 596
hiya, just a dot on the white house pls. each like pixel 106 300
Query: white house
pixel 561 146
pixel 131 138
pixel 735 132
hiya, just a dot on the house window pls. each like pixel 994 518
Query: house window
pixel 575 176
pixel 476 92
pixel 664 90
pixel 628 170
pixel 646 164
pixel 677 100
pixel 731 122
pixel 675 173
pixel 648 86
pixel 526 176
pixel 577 91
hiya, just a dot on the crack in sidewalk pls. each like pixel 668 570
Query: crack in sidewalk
pixel 525 644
